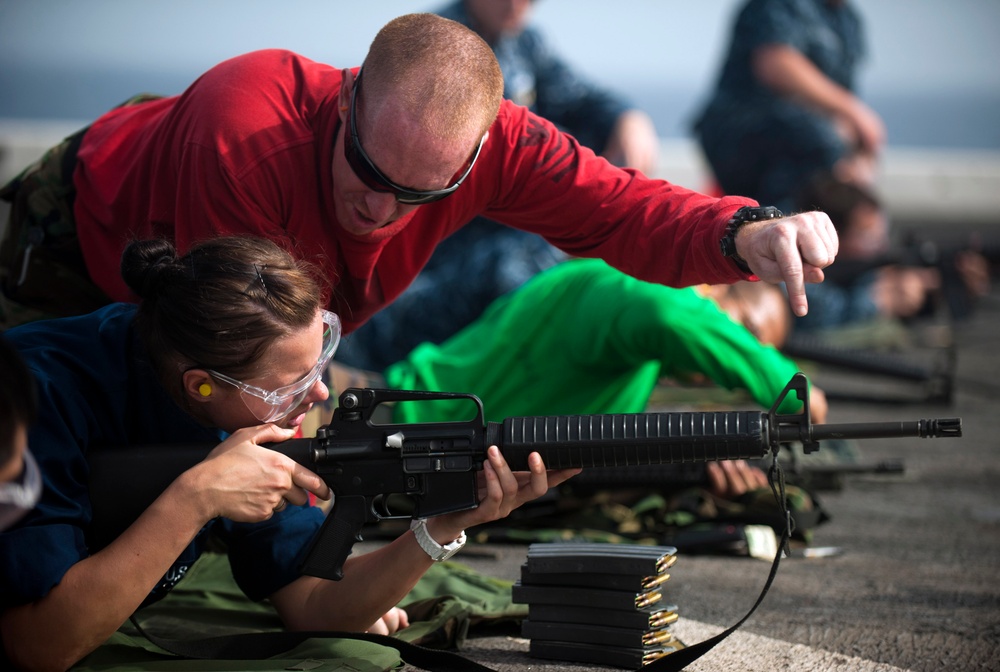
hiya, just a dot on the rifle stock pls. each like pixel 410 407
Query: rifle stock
pixel 434 465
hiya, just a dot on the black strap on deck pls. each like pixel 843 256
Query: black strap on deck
pixel 258 645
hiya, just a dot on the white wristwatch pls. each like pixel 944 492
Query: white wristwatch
pixel 432 548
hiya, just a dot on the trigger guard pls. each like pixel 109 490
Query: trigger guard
pixel 379 507
pixel 381 511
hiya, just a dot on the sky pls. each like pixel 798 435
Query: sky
pixel 932 71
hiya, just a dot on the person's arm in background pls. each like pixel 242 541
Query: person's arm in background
pixel 890 292
pixel 595 116
pixel 808 55
pixel 691 334
pixel 787 72
pixel 634 142
pixel 702 338
pixel 902 291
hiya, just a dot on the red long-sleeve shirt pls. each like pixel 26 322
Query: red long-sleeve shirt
pixel 248 149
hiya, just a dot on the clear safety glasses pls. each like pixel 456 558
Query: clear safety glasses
pixel 20 496
pixel 271 405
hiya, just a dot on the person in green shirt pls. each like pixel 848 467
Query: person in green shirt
pixel 584 338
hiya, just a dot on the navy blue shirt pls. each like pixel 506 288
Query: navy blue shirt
pixel 533 76
pixel 96 387
pixel 758 143
pixel 833 305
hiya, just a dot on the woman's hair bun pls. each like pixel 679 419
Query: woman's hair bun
pixel 145 264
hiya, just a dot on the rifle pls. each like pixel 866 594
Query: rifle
pixel 675 476
pixel 915 251
pixel 435 464
pixel 935 371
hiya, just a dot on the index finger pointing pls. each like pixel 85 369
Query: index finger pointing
pixel 789 264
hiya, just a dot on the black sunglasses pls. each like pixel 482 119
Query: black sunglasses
pixel 373 178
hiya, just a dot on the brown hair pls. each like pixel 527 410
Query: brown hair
pixel 221 305
pixel 438 67
pixel 837 198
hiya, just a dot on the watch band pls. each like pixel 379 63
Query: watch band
pixel 743 216
pixel 436 551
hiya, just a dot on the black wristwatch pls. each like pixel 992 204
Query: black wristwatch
pixel 744 215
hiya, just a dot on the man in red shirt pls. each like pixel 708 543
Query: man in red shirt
pixel 366 174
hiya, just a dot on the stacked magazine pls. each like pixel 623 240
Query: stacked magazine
pixel 598 603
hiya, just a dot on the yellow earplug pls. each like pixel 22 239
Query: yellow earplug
pixel 205 390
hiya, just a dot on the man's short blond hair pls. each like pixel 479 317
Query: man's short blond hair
pixel 439 70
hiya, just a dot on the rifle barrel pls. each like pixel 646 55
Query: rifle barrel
pixel 924 429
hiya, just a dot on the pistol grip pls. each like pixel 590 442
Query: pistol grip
pixel 334 541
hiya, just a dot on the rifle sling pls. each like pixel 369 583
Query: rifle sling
pixel 258 645
pixel 261 645
pixel 681 658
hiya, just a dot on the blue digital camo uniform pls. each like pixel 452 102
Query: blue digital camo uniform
pixel 535 77
pixel 759 144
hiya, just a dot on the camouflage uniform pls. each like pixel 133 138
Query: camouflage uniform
pixel 42 270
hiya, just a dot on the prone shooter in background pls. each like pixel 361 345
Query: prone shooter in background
pixel 873 279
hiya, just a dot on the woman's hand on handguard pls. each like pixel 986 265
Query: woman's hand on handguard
pixel 248 483
pixel 500 492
